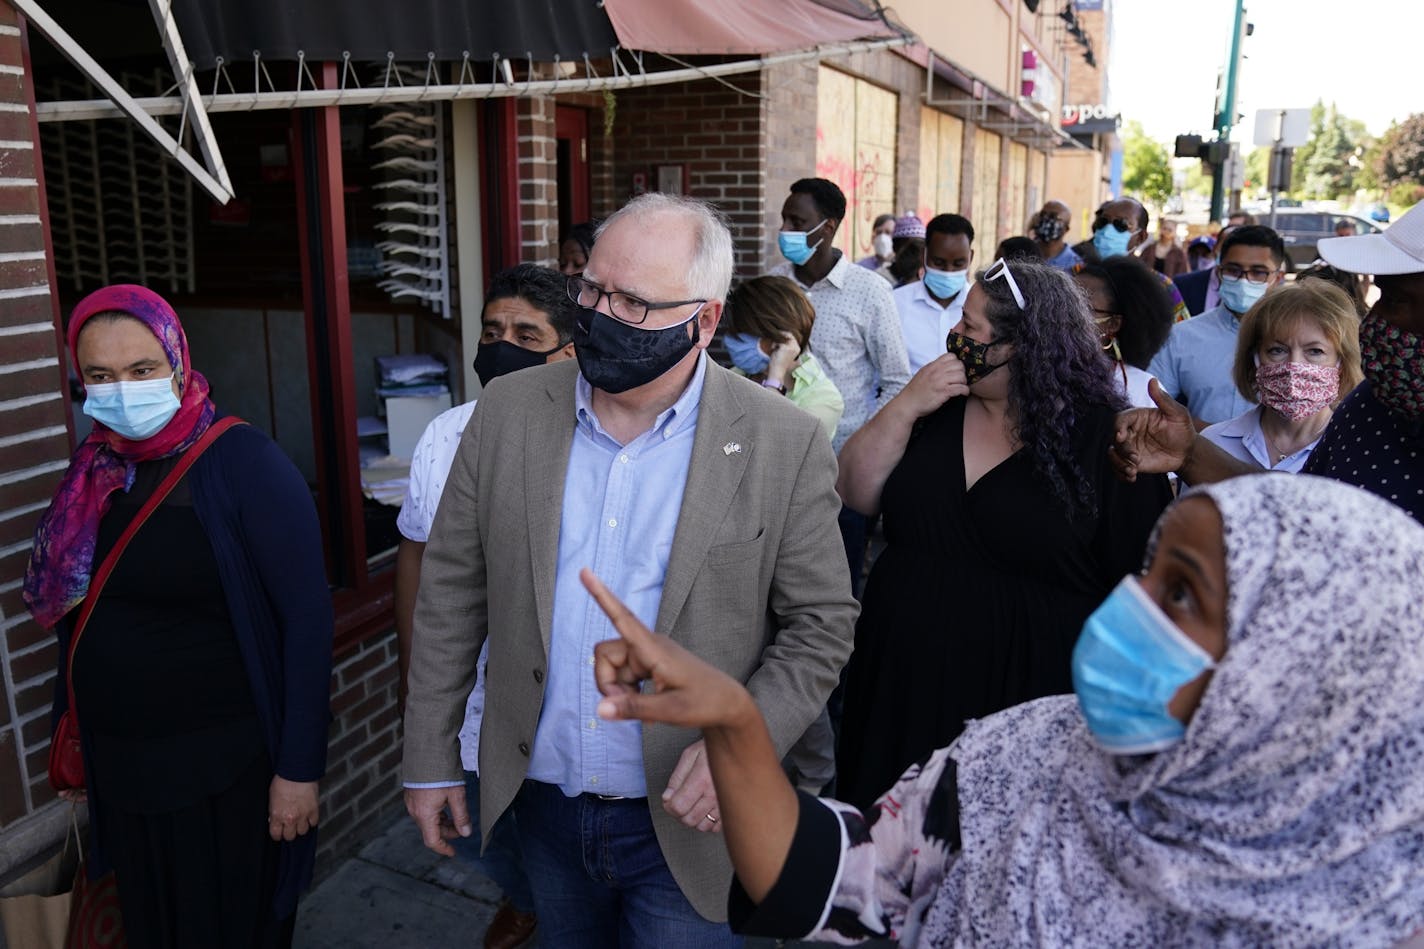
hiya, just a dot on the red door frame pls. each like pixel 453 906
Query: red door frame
pixel 572 124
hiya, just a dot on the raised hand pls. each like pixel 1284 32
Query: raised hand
pixel 1152 441
pixel 935 384
pixel 686 691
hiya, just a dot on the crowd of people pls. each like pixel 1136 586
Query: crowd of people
pixel 1108 681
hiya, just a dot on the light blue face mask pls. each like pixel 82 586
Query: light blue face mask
pixel 746 353
pixel 1240 294
pixel 945 284
pixel 1129 662
pixel 1108 241
pixel 793 244
pixel 135 410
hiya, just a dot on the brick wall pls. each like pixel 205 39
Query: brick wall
pixel 789 116
pixel 538 181
pixel 361 790
pixel 34 451
pixel 714 131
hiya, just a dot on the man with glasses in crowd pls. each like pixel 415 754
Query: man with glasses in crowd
pixel 707 504
pixel 1119 227
pixel 1194 366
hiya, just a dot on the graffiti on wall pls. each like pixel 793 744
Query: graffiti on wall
pixel 855 148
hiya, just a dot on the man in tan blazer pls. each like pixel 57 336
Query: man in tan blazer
pixel 707 503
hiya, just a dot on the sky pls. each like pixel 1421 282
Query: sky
pixel 1360 54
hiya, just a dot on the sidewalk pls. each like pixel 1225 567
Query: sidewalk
pixel 395 894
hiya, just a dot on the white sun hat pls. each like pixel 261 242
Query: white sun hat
pixel 1399 250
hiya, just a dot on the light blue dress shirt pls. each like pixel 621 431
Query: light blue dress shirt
pixel 1243 439
pixel 620 511
pixel 1195 366
pixel 1067 259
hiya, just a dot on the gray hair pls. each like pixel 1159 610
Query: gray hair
pixel 710 275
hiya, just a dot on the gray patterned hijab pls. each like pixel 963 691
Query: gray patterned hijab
pixel 1291 814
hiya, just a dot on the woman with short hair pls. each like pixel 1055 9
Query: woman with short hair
pixel 1297 354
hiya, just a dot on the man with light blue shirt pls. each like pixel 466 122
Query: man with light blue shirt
pixel 1050 225
pixel 929 308
pixel 1194 367
pixel 707 503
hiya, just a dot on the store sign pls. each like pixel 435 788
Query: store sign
pixel 1088 118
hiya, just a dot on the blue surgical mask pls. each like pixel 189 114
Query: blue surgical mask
pixel 1108 241
pixel 793 244
pixel 1129 662
pixel 745 350
pixel 1240 294
pixel 945 284
pixel 135 410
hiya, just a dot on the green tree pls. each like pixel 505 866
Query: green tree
pixel 1146 167
pixel 1258 163
pixel 1328 172
pixel 1306 152
pixel 1399 162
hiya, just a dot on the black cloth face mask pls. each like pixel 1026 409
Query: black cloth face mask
pixel 502 357
pixel 974 355
pixel 615 356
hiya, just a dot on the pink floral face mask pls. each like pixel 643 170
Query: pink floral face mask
pixel 1297 390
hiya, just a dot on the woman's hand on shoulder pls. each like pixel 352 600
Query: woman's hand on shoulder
pixel 935 384
pixel 292 808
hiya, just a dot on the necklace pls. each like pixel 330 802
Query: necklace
pixel 1279 456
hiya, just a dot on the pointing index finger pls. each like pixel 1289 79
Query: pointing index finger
pixel 629 626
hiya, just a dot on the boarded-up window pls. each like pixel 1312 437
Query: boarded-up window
pixel 1015 215
pixel 941 154
pixel 855 148
pixel 1034 196
pixel 986 195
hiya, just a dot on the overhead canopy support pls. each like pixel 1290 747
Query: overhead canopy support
pixel 988 108
pixel 391 91
pixel 123 104
pixel 188 88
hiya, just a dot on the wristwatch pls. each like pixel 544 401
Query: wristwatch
pixel 778 386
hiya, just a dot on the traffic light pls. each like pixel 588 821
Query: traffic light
pixel 1188 146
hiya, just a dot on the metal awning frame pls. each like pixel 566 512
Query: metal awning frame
pixel 988 108
pixel 212 175
pixel 628 71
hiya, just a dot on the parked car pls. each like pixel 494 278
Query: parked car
pixel 1301 229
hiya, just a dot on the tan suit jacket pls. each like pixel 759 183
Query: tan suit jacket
pixel 756 584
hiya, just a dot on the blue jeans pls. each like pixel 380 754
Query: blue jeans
pixel 502 861
pixel 599 877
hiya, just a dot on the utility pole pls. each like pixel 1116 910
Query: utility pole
pixel 1225 117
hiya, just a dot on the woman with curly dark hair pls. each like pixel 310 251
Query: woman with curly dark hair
pixel 1004 523
pixel 1133 313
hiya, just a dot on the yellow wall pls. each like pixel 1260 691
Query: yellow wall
pixel 1075 178
pixel 1015 217
pixel 973 34
pixel 985 216
pixel 855 148
pixel 941 155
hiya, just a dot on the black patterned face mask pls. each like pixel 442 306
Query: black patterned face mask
pixel 615 356
pixel 974 355
pixel 1393 360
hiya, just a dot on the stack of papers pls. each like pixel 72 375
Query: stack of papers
pixel 384 479
pixel 413 374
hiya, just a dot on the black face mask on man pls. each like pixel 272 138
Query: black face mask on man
pixel 615 356
pixel 502 357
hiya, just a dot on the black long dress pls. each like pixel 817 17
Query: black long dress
pixel 978 598
pixel 181 772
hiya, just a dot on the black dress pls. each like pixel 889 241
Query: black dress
pixel 181 772
pixel 978 598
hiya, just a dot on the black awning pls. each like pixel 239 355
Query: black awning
pixel 411 29
pixel 325 29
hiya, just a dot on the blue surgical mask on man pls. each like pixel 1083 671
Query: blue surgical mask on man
pixel 134 409
pixel 793 244
pixel 1130 660
pixel 746 354
pixel 1240 294
pixel 1108 241
pixel 945 284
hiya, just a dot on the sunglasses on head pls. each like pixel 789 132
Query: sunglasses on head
pixel 999 269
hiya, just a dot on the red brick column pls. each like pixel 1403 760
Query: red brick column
pixel 34 443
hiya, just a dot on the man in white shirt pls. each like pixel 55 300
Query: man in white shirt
pixel 856 335
pixel 929 308
pixel 528 320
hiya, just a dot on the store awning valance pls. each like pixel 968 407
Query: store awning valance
pixel 740 27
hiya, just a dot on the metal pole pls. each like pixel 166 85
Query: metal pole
pixel 1226 118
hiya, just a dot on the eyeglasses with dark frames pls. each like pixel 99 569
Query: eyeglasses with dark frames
pixel 1121 224
pixel 623 306
pixel 1253 274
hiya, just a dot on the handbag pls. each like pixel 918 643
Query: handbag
pixel 66 757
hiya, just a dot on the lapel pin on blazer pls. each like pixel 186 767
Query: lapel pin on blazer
pixel 731 448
